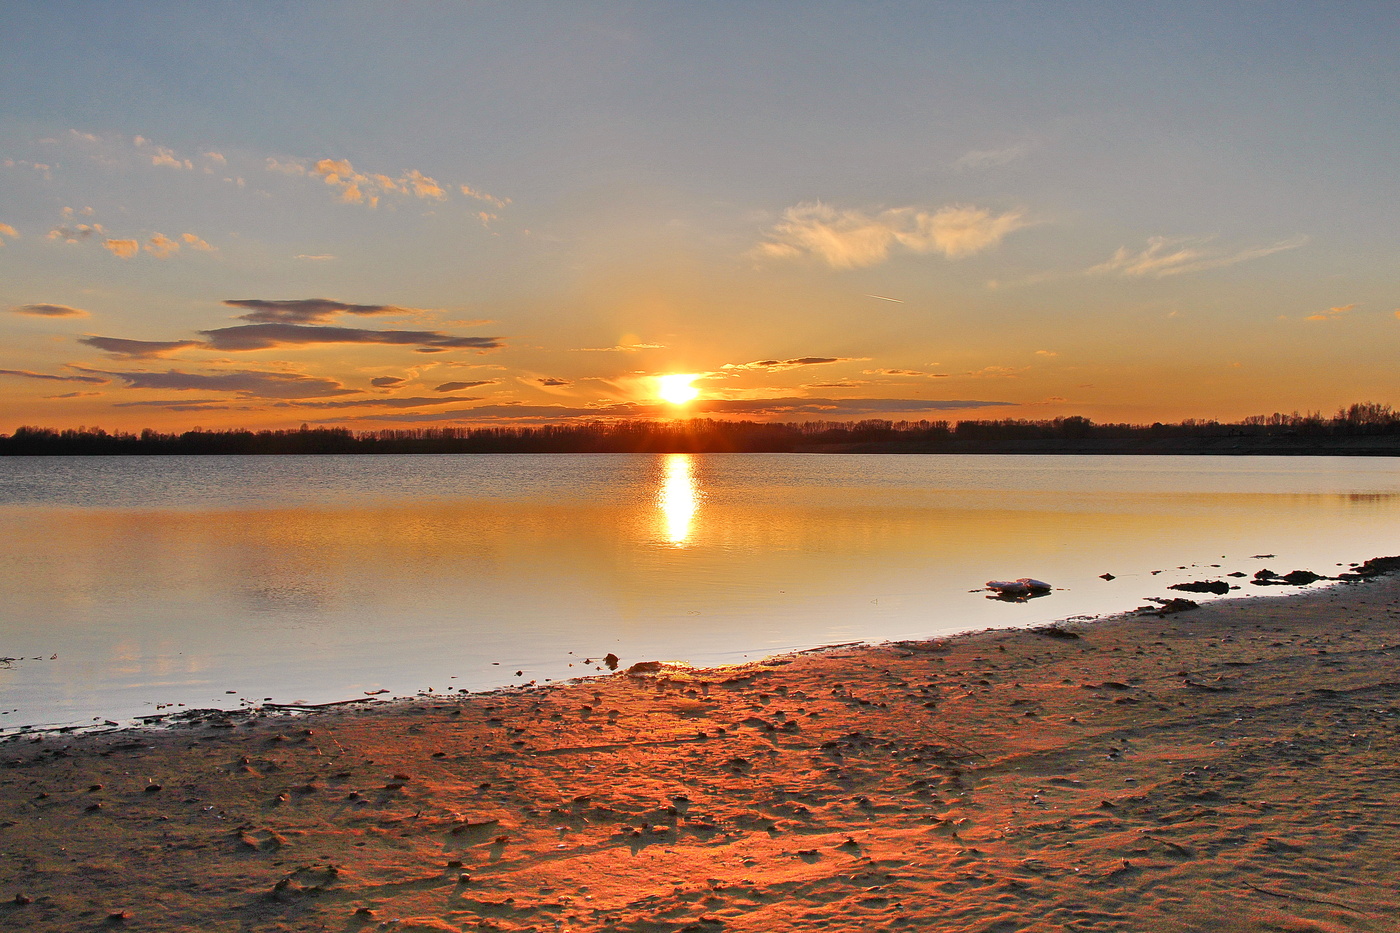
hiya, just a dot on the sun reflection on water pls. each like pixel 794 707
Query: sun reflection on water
pixel 679 498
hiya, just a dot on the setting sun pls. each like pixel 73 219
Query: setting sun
pixel 677 389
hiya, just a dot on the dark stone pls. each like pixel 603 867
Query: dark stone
pixel 1218 587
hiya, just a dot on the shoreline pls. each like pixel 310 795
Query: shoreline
pixel 244 709
pixel 1230 768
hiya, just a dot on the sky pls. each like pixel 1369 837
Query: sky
pixel 412 214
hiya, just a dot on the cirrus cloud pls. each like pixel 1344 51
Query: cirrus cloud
pixel 1166 256
pixel 852 239
pixel 306 310
pixel 137 349
pixel 26 374
pixel 45 310
pixel 245 383
pixel 269 336
pixel 774 366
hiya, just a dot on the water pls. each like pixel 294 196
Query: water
pixel 216 581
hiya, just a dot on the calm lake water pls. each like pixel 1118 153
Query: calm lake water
pixel 216 581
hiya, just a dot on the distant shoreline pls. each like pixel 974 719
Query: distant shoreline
pixel 1363 446
pixel 1360 431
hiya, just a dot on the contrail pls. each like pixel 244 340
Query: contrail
pixel 883 298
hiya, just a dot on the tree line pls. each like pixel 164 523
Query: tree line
pixel 707 435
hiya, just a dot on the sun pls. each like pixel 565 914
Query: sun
pixel 677 389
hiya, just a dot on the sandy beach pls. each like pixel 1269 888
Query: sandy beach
pixel 1228 768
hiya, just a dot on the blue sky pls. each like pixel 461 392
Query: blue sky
pixel 1118 210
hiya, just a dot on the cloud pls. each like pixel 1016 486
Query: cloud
pixel 75 234
pixel 162 247
pixel 26 374
pixel 319 257
pixel 40 167
pixel 137 349
pixel 49 311
pixel 774 366
pixel 194 242
pixel 167 157
pixel 1166 256
pixel 1047 353
pixel 456 386
pixel 989 158
pixel 997 372
pixel 306 310
pixel 358 187
pixel 7 231
pixel 291 167
pixel 552 382
pixel 851 239
pixel 123 249
pixel 268 336
pixel 1331 313
pixel 246 383
pixel 389 382
pixel 195 404
pixel 471 192
pixel 73 395
pixel 382 402
pixel 903 372
pixel 620 348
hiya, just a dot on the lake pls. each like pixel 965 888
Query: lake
pixel 132 585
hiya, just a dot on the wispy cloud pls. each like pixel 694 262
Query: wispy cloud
pixel 245 383
pixel 1166 256
pixel 773 366
pixel 990 158
pixel 268 336
pixel 1331 313
pixel 26 374
pixel 458 386
pixel 621 348
pixel 851 239
pixel 7 231
pixel 370 188
pixel 480 195
pixel 43 310
pixel 306 310
pixel 904 372
pixel 406 402
pixel 389 382
pixel 137 349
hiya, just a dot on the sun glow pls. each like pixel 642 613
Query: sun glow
pixel 677 389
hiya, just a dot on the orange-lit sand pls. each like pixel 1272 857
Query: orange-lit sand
pixel 1234 768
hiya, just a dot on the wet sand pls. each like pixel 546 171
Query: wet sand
pixel 1230 768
